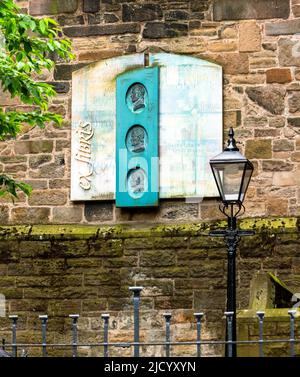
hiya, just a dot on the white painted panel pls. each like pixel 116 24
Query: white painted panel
pixel 190 125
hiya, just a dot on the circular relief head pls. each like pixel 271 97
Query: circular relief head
pixel 136 183
pixel 136 97
pixel 136 139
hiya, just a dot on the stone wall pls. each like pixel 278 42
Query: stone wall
pixel 258 45
pixel 62 270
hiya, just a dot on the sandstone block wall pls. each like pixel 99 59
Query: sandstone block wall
pixel 87 270
pixel 256 42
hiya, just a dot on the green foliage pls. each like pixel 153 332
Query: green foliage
pixel 26 45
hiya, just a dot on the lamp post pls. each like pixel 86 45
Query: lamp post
pixel 232 173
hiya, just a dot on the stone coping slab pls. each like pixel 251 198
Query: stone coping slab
pixel 42 232
pixel 271 315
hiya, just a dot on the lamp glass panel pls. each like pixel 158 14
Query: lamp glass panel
pixel 247 177
pixel 229 179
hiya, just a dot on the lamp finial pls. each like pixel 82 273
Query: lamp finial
pixel 231 143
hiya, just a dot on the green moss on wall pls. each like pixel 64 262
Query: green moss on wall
pixel 144 230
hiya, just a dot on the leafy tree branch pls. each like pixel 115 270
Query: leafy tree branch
pixel 26 45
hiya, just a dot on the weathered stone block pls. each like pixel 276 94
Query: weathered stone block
pixel 110 18
pixel 233 63
pixel 294 102
pixel 120 262
pixel 94 19
pixel 269 97
pixel 222 46
pixel 38 7
pixel 12 293
pixel 36 161
pixel 277 122
pixel 276 165
pixel 156 287
pixel 258 148
pixel 256 121
pixel 283 27
pixel 7 281
pixel 91 6
pixel 252 79
pixel 296 10
pixel 259 9
pixel 257 62
pixel 107 248
pixel 104 277
pixel 232 118
pixel 295 122
pixel 269 46
pixel 141 12
pixel 25 215
pixel 47 197
pixel 157 258
pixel 208 269
pixel 98 54
pixel 178 211
pixel 98 211
pixel 170 272
pixel 87 31
pixel 60 87
pixel 184 257
pixel 70 249
pixel 283 145
pixel 138 243
pixel 94 305
pixel 155 30
pixel 295 157
pixel 33 249
pixel 65 215
pixel 250 37
pixel 176 302
pixel 209 211
pixel 174 15
pixel 4 214
pixel 51 170
pixel 276 207
pixel 64 71
pixel 282 179
pixel 28 305
pixel 15 168
pixel 13 159
pixel 70 20
pixel 6 100
pixel 289 52
pixel 279 75
pixel 204 242
pixel 33 146
pixel 206 299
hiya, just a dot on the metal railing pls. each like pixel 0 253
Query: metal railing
pixel 136 344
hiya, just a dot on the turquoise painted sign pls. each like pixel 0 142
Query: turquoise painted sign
pixel 137 138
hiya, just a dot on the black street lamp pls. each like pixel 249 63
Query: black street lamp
pixel 232 173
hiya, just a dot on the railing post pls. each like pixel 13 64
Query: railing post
pixel 44 319
pixel 292 314
pixel 261 316
pixel 198 317
pixel 74 318
pixel 14 319
pixel 105 318
pixel 229 326
pixel 168 332
pixel 136 307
